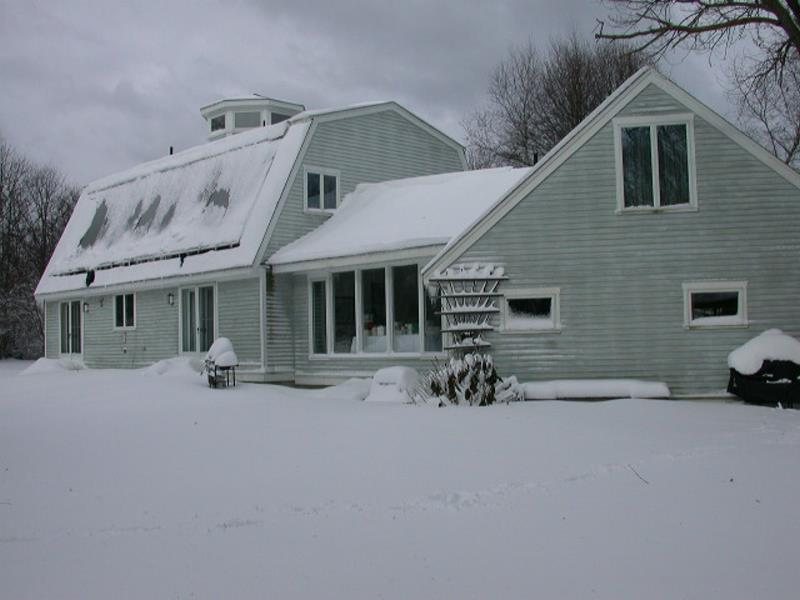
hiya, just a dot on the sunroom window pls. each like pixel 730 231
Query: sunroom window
pixel 715 303
pixel 655 164
pixel 373 311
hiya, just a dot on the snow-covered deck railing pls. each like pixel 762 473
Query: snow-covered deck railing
pixel 469 300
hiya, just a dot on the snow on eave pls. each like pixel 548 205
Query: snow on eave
pixel 250 98
pixel 580 135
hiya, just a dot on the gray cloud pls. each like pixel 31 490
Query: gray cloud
pixel 97 86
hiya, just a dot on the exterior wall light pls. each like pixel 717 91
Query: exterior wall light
pixel 171 299
pixel 86 307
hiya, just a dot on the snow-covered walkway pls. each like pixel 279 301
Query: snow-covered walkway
pixel 125 485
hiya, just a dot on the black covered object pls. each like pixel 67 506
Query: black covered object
pixel 776 381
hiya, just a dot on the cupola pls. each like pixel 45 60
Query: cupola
pixel 234 115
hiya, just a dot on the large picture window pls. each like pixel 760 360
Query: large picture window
pixel 655 163
pixel 373 311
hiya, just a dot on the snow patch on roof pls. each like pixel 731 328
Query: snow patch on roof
pixel 211 197
pixel 401 214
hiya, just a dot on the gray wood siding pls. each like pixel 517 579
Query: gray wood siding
pixel 238 312
pixel 154 338
pixel 621 275
pixel 280 327
pixel 51 342
pixel 368 148
pixel 341 366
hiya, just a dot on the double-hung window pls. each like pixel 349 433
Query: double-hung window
pixel 655 163
pixel 321 189
pixel 124 311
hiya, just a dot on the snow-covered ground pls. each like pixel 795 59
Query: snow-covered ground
pixel 138 485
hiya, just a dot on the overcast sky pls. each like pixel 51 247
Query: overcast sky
pixel 97 86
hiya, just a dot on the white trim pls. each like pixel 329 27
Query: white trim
pixel 353 260
pixel 554 293
pixel 114 319
pixel 321 172
pixel 165 283
pixel 653 122
pixel 739 320
pixel 576 138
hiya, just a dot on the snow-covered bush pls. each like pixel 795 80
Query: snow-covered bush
pixel 471 380
pixel 393 384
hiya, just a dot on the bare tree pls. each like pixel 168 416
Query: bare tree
pixel 773 27
pixel 35 205
pixel 536 98
pixel 770 111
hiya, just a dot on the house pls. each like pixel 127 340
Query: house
pixel 649 243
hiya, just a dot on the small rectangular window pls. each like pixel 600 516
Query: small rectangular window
pixel 716 303
pixel 218 123
pixel 532 310
pixel 246 119
pixel 277 118
pixel 321 189
pixel 124 311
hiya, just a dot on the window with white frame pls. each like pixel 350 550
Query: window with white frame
pixel 532 310
pixel 373 311
pixel 218 122
pixel 655 163
pixel 124 311
pixel 321 188
pixel 715 303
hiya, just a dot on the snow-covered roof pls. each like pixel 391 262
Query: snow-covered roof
pixel 400 215
pixel 146 222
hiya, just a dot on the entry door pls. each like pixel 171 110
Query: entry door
pixel 70 325
pixel 197 318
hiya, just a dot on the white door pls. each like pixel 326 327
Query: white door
pixel 197 319
pixel 71 327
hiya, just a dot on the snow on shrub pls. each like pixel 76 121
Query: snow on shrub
pixel 772 344
pixel 393 384
pixel 471 380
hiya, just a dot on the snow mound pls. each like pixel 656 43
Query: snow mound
pixel 54 365
pixel 221 352
pixel 772 344
pixel 594 388
pixel 393 384
pixel 354 389
pixel 178 365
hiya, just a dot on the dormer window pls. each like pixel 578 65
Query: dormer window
pixel 218 123
pixel 321 189
pixel 655 163
pixel 242 120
